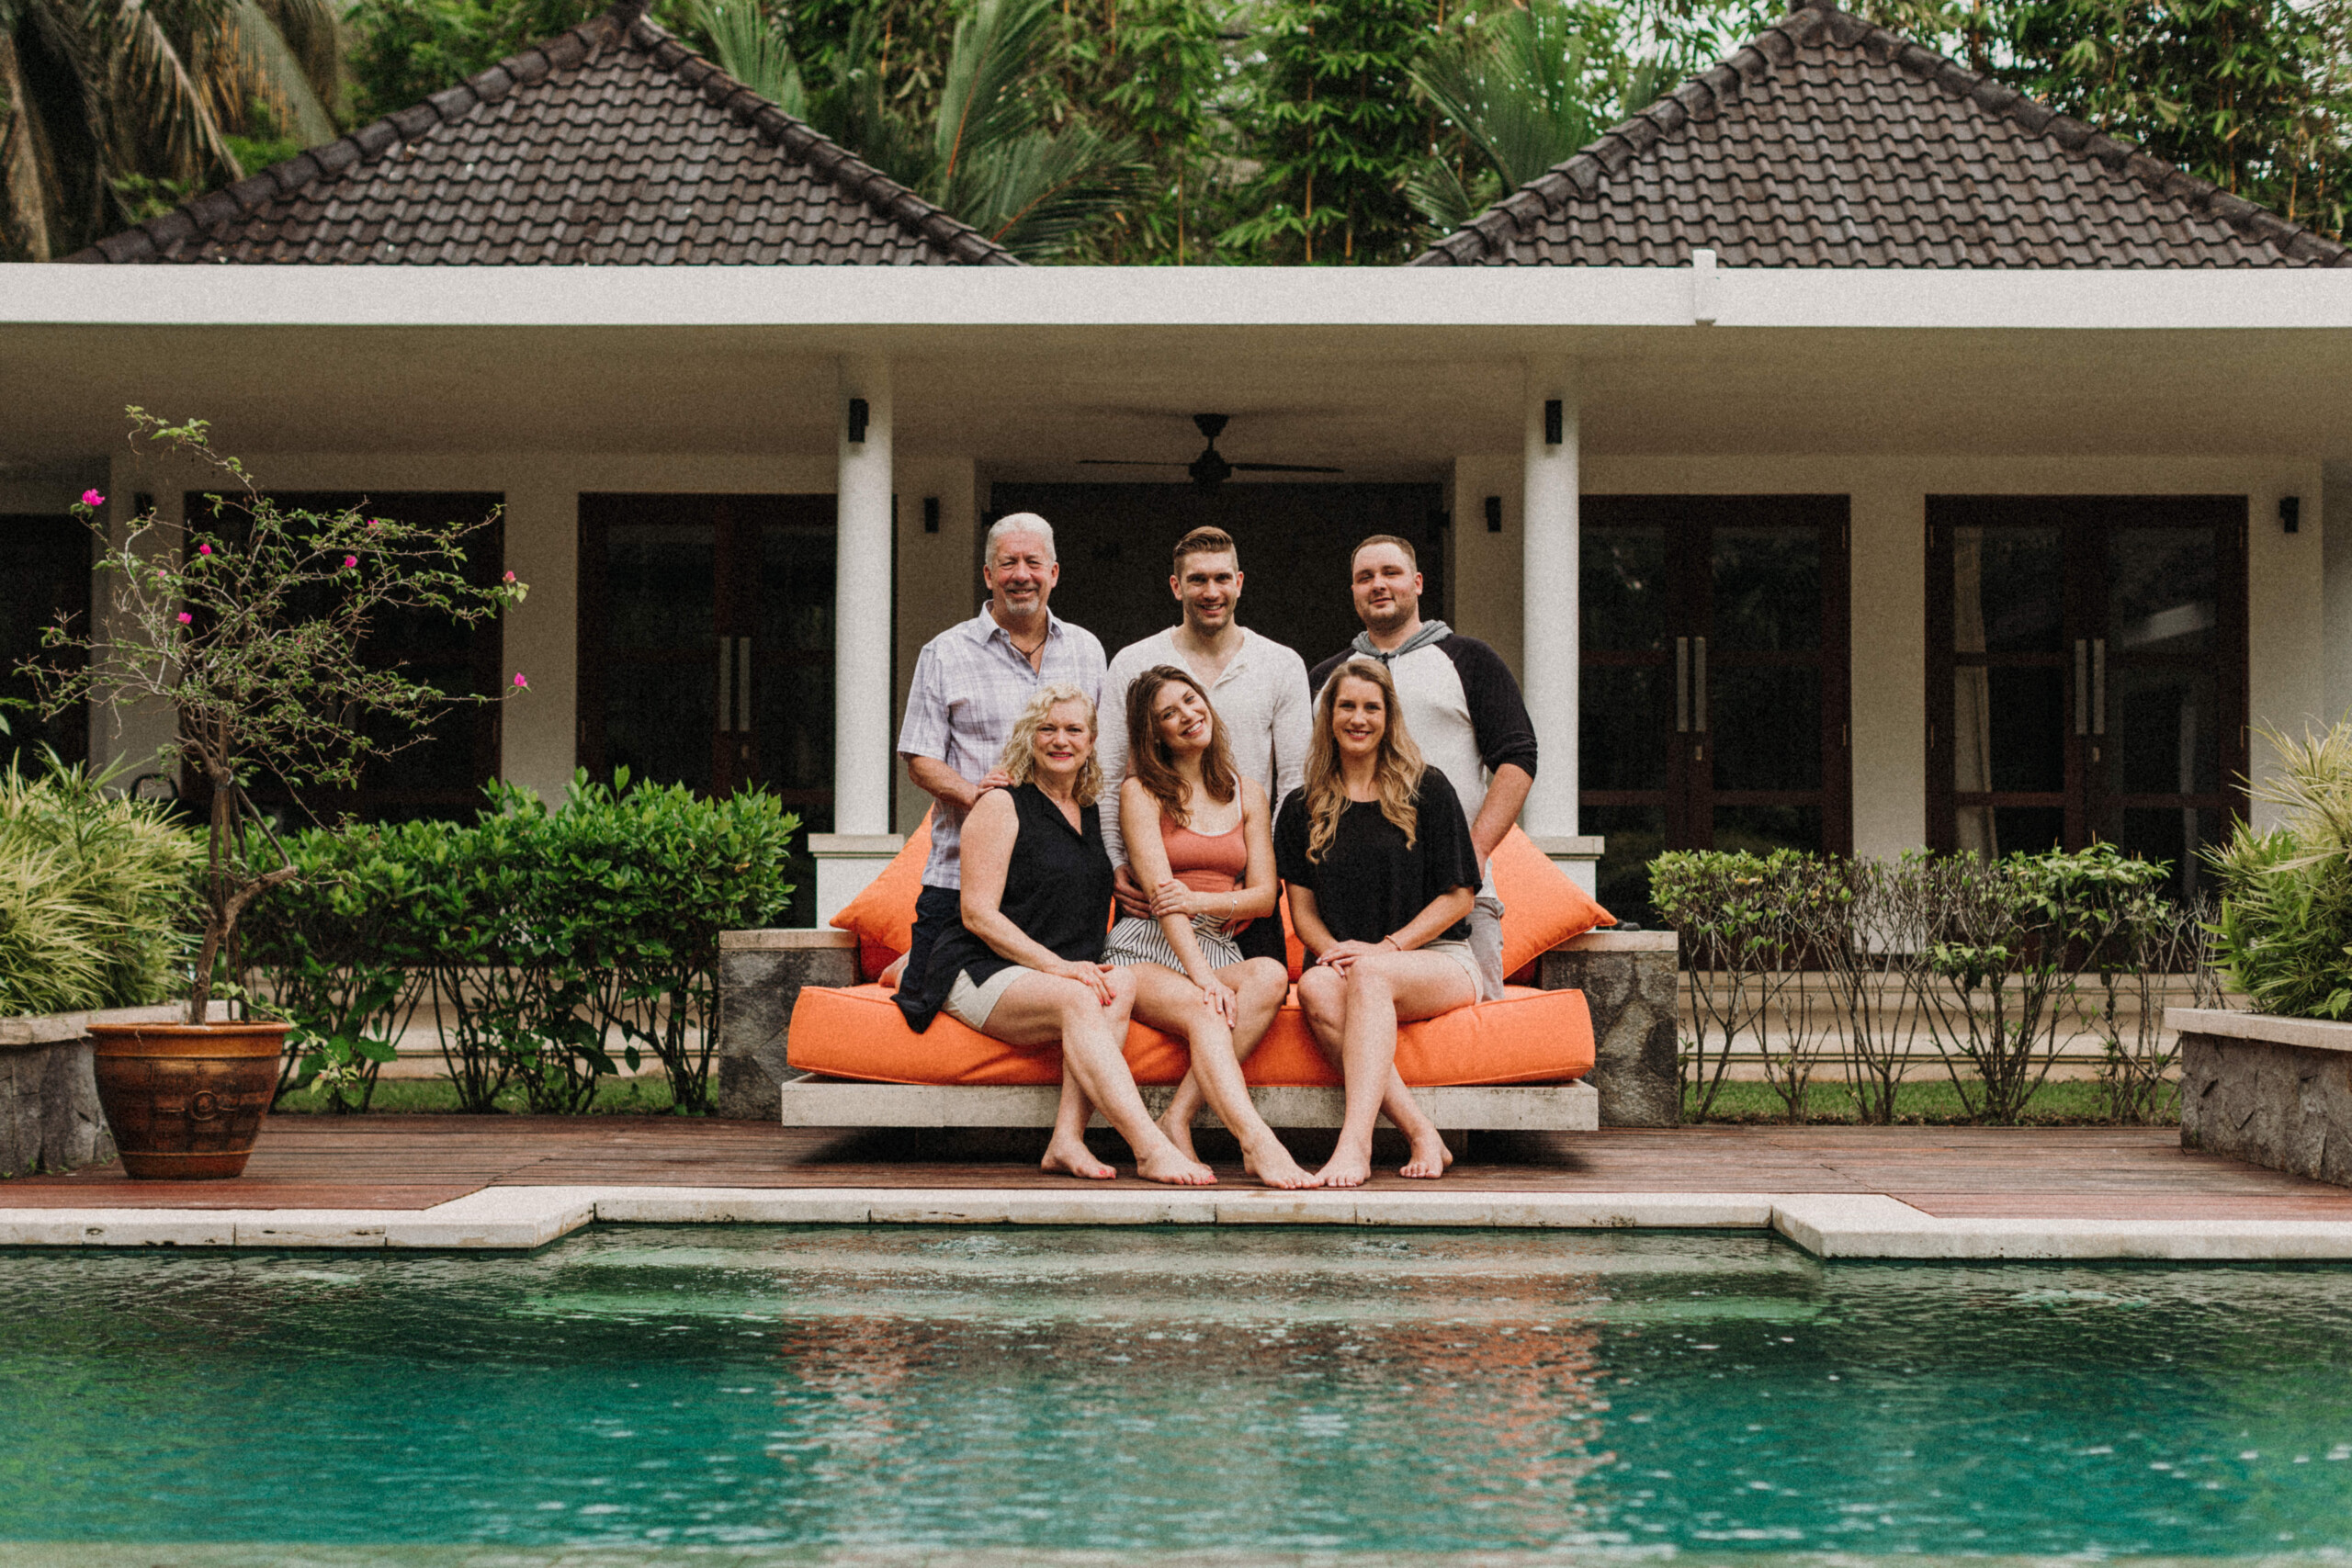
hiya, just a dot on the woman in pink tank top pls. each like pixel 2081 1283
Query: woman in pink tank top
pixel 1199 836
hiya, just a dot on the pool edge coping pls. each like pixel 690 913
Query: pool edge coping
pixel 1827 1226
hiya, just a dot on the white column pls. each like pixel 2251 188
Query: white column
pixel 861 844
pixel 1549 635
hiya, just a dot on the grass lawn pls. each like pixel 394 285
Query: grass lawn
pixel 615 1097
pixel 2073 1103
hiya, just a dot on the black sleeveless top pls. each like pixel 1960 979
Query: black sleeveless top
pixel 1057 890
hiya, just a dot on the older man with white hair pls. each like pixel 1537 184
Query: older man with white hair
pixel 971 683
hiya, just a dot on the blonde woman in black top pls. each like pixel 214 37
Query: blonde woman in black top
pixel 1382 874
pixel 1024 963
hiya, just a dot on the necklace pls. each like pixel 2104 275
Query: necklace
pixel 1028 653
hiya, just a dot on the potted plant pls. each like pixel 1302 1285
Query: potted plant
pixel 253 628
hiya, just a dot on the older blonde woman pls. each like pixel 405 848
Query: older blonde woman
pixel 1024 963
pixel 1382 872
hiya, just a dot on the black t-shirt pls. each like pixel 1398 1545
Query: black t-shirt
pixel 1369 885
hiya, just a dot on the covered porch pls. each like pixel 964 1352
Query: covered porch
pixel 1821 475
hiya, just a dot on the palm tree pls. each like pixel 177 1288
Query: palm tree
pixel 104 103
pixel 1526 89
pixel 987 157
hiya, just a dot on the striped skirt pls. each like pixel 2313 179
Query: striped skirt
pixel 1138 941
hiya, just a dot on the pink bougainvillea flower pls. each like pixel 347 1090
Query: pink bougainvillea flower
pixel 185 617
pixel 520 684
pixel 508 578
pixel 375 521
pixel 92 498
pixel 203 549
pixel 350 561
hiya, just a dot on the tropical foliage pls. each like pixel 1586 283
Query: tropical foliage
pixel 2286 924
pixel 1139 130
pixel 111 111
pixel 93 890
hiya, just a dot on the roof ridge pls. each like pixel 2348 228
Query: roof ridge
pixel 1776 47
pixel 627 24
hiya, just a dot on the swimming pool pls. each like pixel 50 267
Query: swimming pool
pixel 1187 1392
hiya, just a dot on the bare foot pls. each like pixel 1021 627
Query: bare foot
pixel 1431 1157
pixel 1074 1158
pixel 1271 1163
pixel 1175 1169
pixel 1347 1167
pixel 1179 1134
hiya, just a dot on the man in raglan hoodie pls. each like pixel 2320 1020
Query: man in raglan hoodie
pixel 1461 706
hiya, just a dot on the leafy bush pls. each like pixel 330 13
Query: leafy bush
pixel 96 891
pixel 2285 931
pixel 541 937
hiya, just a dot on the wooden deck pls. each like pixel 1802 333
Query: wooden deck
pixel 416 1162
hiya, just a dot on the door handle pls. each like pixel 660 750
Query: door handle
pixel 734 683
pixel 1699 684
pixel 2098 685
pixel 743 683
pixel 2081 687
pixel 726 683
pixel 1682 685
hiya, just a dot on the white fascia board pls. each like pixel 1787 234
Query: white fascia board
pixel 1526 299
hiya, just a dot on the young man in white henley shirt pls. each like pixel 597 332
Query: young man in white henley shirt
pixel 1462 707
pixel 1256 685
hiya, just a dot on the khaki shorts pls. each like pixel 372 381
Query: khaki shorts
pixel 970 1005
pixel 1462 954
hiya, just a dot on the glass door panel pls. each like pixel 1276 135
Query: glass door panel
pixel 2094 647
pixel 659 585
pixel 1713 679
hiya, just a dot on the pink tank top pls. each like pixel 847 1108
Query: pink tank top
pixel 1203 864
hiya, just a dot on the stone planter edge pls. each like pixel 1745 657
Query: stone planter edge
pixel 2273 1091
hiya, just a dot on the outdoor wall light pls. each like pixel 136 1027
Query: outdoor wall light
pixel 857 417
pixel 1555 424
pixel 2291 513
pixel 1494 514
pixel 930 515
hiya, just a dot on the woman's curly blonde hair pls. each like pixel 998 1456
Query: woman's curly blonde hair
pixel 1396 769
pixel 1020 760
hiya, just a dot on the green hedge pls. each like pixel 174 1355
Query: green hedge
pixel 95 892
pixel 549 941
pixel 1998 965
pixel 2286 924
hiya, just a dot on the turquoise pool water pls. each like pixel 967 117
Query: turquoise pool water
pixel 1174 1392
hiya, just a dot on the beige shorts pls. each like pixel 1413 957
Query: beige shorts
pixel 1462 954
pixel 970 1005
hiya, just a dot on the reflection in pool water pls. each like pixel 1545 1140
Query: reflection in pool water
pixel 1174 1390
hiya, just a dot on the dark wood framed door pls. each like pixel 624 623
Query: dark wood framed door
pixel 1715 680
pixel 707 644
pixel 2087 673
pixel 48 577
pixel 443 776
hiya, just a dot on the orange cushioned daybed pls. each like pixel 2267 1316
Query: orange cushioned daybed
pixel 1529 1037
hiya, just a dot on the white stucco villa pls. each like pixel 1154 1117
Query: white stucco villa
pixel 1847 452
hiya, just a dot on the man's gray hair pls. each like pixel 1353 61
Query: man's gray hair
pixel 1018 523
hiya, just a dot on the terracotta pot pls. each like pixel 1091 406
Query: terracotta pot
pixel 186 1100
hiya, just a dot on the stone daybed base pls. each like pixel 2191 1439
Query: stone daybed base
pixel 813 1102
pixel 1628 981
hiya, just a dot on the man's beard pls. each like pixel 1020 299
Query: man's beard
pixel 1398 614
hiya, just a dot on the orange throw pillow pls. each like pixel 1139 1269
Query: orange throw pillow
pixel 883 915
pixel 1541 907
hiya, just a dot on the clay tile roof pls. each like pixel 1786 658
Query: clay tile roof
pixel 609 144
pixel 1827 142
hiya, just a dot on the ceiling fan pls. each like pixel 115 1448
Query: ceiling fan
pixel 1211 469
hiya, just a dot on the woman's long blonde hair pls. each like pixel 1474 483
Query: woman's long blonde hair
pixel 1147 757
pixel 1020 760
pixel 1396 769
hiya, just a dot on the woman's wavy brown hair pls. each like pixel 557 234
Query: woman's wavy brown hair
pixel 1148 758
pixel 1020 760
pixel 1396 769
